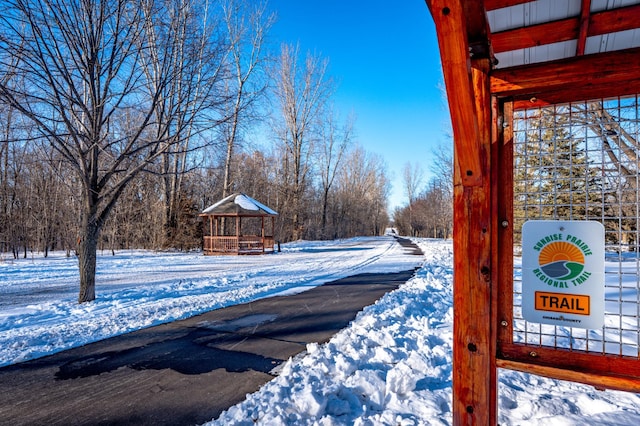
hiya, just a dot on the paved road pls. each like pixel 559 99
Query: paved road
pixel 186 372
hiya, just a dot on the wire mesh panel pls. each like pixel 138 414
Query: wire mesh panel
pixel 579 161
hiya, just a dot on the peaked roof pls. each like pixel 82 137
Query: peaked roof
pixel 238 204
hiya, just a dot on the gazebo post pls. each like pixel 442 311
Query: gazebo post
pixel 211 226
pixel 238 232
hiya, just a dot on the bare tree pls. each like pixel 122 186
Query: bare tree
pixel 363 190
pixel 15 197
pixel 412 179
pixel 247 26
pixel 182 58
pixel 80 60
pixel 334 141
pixel 301 92
pixel 441 188
pixel 413 176
pixel 442 165
pixel 12 155
pixel 613 122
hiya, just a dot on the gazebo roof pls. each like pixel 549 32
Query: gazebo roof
pixel 238 204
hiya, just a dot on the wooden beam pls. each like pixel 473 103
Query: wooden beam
pixel 580 78
pixel 585 14
pixel 578 94
pixel 496 192
pixel 600 23
pixel 614 20
pixel 535 35
pixel 622 383
pixel 503 195
pixel 476 23
pixel 499 4
pixel 450 23
pixel 595 369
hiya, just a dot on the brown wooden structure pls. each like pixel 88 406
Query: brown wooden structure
pixel 499 56
pixel 238 224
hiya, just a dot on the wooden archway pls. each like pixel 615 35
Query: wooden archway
pixel 482 97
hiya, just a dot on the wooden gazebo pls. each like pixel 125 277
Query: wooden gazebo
pixel 238 224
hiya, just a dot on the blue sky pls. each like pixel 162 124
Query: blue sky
pixel 384 56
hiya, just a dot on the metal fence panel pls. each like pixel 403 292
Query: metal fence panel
pixel 579 161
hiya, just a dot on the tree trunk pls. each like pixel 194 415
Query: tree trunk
pixel 296 231
pixel 87 251
pixel 325 202
pixel 226 181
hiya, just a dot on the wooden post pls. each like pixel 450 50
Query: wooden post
pixel 486 235
pixel 474 372
pixel 262 228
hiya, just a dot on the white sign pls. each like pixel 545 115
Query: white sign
pixel 563 273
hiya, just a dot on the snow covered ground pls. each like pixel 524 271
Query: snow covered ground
pixel 39 313
pixel 391 366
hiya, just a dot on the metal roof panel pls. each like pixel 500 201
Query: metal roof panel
pixel 532 13
pixel 548 52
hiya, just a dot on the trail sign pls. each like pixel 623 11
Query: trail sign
pixel 563 273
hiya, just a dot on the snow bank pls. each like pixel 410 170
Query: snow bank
pixel 392 366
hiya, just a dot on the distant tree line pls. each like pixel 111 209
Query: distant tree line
pixel 121 120
pixel 429 212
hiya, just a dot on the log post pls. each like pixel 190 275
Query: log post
pixel 469 97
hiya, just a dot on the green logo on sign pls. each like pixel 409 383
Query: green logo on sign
pixel 562 260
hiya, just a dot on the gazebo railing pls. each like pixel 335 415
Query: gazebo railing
pixel 249 244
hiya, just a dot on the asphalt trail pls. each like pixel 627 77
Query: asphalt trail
pixel 186 372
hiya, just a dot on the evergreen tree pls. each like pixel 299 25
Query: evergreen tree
pixel 553 176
